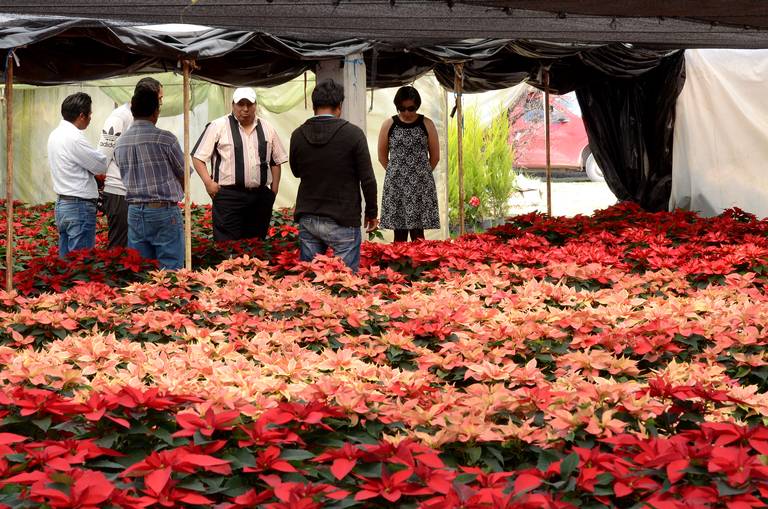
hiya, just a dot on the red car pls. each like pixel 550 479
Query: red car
pixel 569 148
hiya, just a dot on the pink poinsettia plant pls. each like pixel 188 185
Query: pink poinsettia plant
pixel 616 360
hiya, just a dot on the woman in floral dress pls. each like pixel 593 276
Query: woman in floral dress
pixel 409 150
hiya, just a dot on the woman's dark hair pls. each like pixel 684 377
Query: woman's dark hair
pixel 144 102
pixel 327 93
pixel 150 83
pixel 405 93
pixel 74 105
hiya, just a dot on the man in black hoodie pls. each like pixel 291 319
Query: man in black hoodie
pixel 331 158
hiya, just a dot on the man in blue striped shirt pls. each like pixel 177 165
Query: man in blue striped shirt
pixel 152 168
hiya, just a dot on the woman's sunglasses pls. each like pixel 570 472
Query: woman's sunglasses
pixel 407 108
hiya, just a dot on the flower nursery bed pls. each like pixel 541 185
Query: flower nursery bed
pixel 617 360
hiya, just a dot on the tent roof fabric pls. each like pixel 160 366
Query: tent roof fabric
pixel 54 50
pixel 740 13
pixel 265 42
pixel 667 23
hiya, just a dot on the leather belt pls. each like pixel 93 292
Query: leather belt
pixel 64 197
pixel 243 188
pixel 156 204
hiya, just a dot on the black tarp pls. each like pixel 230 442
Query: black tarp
pixel 413 23
pixel 607 76
pixel 737 13
pixel 53 51
pixel 630 125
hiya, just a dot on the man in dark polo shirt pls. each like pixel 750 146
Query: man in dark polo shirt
pixel 152 168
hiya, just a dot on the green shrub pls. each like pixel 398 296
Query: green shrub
pixel 500 178
pixel 488 173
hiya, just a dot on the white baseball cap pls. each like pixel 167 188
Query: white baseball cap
pixel 246 93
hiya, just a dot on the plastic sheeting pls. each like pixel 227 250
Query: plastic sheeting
pixel 55 51
pixel 36 112
pixel 414 23
pixel 735 12
pixel 630 126
pixel 721 133
pixel 627 93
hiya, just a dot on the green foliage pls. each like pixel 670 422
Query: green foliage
pixel 474 166
pixel 488 173
pixel 500 181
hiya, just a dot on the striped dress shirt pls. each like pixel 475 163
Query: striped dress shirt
pixel 236 156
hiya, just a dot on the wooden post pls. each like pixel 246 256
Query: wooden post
pixel 187 210
pixel 445 218
pixel 355 107
pixel 330 70
pixel 547 141
pixel 9 172
pixel 458 81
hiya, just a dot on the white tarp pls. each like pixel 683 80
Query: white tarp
pixel 720 157
pixel 37 112
pixel 433 106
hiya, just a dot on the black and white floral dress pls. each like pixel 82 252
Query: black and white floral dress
pixel 409 199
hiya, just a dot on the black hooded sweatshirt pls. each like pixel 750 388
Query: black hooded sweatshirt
pixel 331 158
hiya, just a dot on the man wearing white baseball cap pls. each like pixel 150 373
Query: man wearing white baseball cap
pixel 245 155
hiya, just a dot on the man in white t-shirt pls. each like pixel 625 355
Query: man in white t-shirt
pixel 115 206
pixel 74 164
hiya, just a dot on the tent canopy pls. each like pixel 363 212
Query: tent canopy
pixel 626 90
pixel 738 13
pixel 408 23
pixel 54 50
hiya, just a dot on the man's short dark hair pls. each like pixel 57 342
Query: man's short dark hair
pixel 74 105
pixel 327 93
pixel 405 93
pixel 144 102
pixel 150 83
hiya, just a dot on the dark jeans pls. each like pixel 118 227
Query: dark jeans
pixel 116 210
pixel 242 214
pixel 157 234
pixel 318 233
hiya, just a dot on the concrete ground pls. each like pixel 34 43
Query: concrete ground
pixel 570 196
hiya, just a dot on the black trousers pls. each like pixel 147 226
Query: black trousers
pixel 242 213
pixel 402 235
pixel 116 210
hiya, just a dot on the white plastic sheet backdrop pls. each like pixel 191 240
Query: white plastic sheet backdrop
pixel 720 156
pixel 433 106
pixel 37 113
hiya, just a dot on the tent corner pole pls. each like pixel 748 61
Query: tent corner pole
pixel 9 172
pixel 187 67
pixel 458 82
pixel 547 124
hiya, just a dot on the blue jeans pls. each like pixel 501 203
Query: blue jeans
pixel 157 234
pixel 318 233
pixel 76 222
